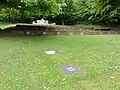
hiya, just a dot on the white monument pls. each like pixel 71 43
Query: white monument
pixel 43 22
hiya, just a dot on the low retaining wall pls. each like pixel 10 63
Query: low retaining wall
pixel 37 30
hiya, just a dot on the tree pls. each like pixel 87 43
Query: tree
pixel 98 11
pixel 33 8
pixel 62 11
pixel 68 15
pixel 69 12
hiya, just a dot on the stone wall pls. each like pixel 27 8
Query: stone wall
pixel 33 30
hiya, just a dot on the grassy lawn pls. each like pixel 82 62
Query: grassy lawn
pixel 6 25
pixel 25 66
pixel 3 24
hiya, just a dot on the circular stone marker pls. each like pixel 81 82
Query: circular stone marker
pixel 70 69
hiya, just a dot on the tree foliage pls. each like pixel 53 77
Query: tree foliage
pixel 62 11
pixel 90 11
pixel 68 15
pixel 31 8
pixel 96 11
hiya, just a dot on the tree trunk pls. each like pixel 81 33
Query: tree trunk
pixel 63 20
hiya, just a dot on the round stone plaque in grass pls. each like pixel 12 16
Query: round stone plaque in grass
pixel 71 69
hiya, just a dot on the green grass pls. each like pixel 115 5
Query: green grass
pixel 4 26
pixel 24 65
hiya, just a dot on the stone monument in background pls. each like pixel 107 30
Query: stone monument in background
pixel 42 22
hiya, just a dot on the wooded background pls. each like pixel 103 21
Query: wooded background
pixel 67 12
